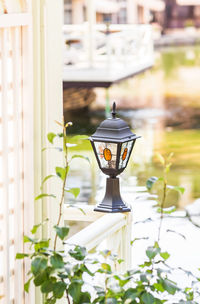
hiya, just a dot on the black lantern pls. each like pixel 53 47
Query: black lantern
pixel 112 143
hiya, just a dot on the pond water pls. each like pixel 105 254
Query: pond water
pixel 163 106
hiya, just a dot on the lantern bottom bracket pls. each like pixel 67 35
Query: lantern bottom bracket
pixel 112 201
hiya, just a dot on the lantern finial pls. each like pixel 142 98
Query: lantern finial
pixel 114 110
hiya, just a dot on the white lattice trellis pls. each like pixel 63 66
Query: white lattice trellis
pixel 15 148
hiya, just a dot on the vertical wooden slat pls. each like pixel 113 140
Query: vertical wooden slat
pixel 27 126
pixel 18 234
pixel 5 222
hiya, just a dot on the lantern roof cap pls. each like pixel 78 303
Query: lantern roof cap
pixel 113 130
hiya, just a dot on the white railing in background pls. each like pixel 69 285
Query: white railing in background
pixel 116 44
pixel 113 230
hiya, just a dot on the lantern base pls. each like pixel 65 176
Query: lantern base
pixel 112 201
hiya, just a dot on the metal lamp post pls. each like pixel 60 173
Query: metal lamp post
pixel 112 143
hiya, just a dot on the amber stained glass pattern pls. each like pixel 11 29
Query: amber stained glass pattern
pixel 107 153
pixel 124 155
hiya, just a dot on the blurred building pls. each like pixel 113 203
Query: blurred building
pixel 182 13
pixel 114 11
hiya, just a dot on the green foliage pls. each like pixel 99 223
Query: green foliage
pixel 81 156
pixel 21 255
pixel 62 232
pixel 151 181
pixel 27 285
pixel 79 253
pixel 56 261
pixel 50 137
pixel 61 172
pixel 74 191
pixel 38 264
pixel 35 227
pixel 44 195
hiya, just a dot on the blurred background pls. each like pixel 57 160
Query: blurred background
pixel 108 56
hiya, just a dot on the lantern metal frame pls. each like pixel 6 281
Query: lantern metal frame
pixel 113 131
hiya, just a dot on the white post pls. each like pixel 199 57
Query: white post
pixel 91 18
pixel 126 249
pixel 77 12
pixel 132 14
pixel 146 14
pixel 48 103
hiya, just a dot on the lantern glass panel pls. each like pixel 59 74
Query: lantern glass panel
pixel 107 154
pixel 125 153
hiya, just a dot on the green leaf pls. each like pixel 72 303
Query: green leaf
pixel 159 287
pixel 138 239
pixel 181 190
pixel 170 156
pixel 78 253
pixel 165 255
pixel 44 195
pixel 167 167
pixel 41 244
pixel 148 298
pixel 47 286
pixel 106 267
pixel 47 177
pixel 77 207
pixel 160 158
pixel 143 278
pixel 146 264
pixel 99 290
pixel 85 298
pixel 156 245
pixel 38 265
pixel 35 227
pixel 84 268
pixel 74 191
pixel 62 232
pixel 81 156
pixel 21 256
pixel 40 278
pixel 50 301
pixel 150 182
pixel 151 252
pixel 158 301
pixel 120 261
pixel 50 137
pixel 59 289
pixel 75 291
pixel 176 188
pixel 122 281
pixel 166 210
pixel 27 285
pixel 131 293
pixel 27 239
pixel 61 172
pixel 57 261
pixel 170 287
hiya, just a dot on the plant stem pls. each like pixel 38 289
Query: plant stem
pixel 64 181
pixel 67 296
pixel 162 206
pixel 60 209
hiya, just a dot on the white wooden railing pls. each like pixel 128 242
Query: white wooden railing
pixel 110 231
pixel 121 44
